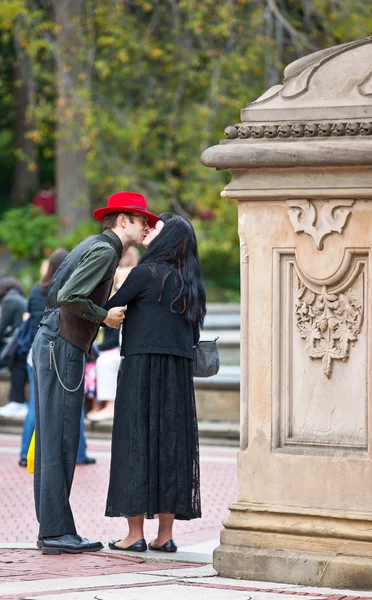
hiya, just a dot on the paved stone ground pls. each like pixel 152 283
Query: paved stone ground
pixel 17 520
pixel 26 574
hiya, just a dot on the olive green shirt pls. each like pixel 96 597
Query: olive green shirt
pixel 97 264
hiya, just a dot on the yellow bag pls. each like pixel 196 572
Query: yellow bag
pixel 31 455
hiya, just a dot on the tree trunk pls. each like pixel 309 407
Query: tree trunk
pixel 73 83
pixel 271 72
pixel 26 175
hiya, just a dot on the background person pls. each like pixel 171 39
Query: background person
pixel 13 306
pixel 35 310
pixel 129 260
pixel 108 360
pixel 46 199
pixel 155 448
pixel 106 373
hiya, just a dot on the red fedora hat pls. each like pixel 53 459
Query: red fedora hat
pixel 126 202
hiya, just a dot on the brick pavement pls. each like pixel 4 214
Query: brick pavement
pixel 29 575
pixel 26 574
pixel 17 520
pixel 31 565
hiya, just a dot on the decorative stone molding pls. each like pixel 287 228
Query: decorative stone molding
pixel 244 320
pixel 298 75
pixel 306 334
pixel 365 88
pixel 319 405
pixel 243 252
pixel 314 90
pixel 329 322
pixel 298 130
pixel 331 217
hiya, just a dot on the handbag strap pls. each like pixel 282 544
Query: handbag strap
pixel 203 341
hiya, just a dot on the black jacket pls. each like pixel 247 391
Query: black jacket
pixel 36 306
pixel 150 327
pixel 13 305
pixel 110 339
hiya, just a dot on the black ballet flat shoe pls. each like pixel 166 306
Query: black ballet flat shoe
pixel 169 546
pixel 139 546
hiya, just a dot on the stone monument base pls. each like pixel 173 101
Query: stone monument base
pixel 298 547
pixel 300 162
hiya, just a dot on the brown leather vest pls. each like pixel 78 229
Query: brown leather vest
pixel 81 332
pixel 78 331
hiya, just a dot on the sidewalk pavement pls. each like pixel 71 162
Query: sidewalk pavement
pixel 107 575
pixel 27 574
pixel 88 497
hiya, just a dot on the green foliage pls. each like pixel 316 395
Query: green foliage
pixel 157 83
pixel 31 236
pixel 27 276
pixel 29 233
pixel 83 230
pixel 159 103
pixel 219 249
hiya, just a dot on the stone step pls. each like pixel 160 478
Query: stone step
pixel 217 398
pixel 228 378
pixel 229 308
pixel 228 344
pixel 222 321
pixel 210 432
pixel 217 403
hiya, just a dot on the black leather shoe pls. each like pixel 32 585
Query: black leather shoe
pixel 169 546
pixel 39 542
pixel 87 461
pixel 22 462
pixel 139 546
pixel 69 544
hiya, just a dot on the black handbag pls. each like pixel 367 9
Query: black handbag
pixel 206 359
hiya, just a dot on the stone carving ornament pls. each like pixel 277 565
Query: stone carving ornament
pixel 298 130
pixel 332 216
pixel 329 322
pixel 365 88
pixel 298 75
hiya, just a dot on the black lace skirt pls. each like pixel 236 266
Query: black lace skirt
pixel 155 448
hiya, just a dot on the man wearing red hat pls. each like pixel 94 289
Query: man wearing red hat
pixel 73 314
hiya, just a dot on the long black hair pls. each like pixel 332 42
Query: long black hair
pixel 176 247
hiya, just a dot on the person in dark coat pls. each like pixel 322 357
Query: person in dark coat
pixel 13 306
pixel 155 451
pixel 35 309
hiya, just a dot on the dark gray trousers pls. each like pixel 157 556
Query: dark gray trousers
pixel 57 426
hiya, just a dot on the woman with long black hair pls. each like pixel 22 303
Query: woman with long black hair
pixel 155 449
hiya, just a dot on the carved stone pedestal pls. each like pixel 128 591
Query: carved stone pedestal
pixel 301 170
